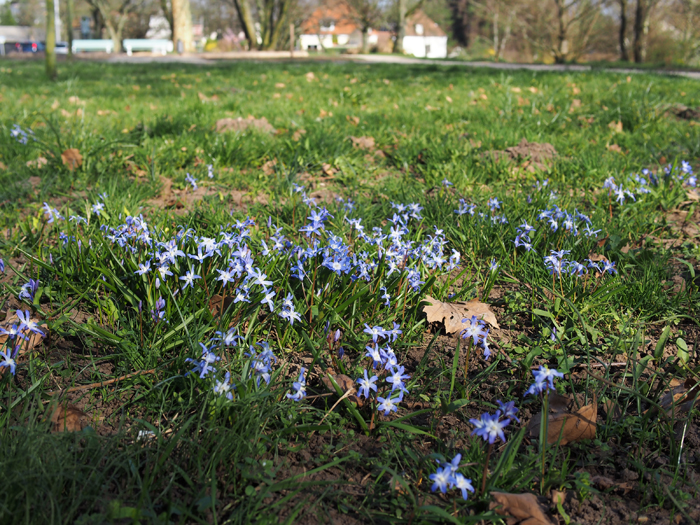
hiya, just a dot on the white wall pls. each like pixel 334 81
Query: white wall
pixel 417 45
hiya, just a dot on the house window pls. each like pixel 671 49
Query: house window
pixel 419 29
pixel 427 49
pixel 327 24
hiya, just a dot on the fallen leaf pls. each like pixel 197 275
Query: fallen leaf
pixel 55 105
pixel 679 399
pixel 2 166
pixel 605 483
pixel 516 90
pixel 448 99
pixel 68 418
pixel 75 100
pixel 37 163
pixel 242 124
pixel 269 167
pixel 345 383
pixel 521 508
pixel 310 77
pixel 103 112
pixel 451 314
pixel 616 126
pixel 205 98
pixel 279 85
pixel 329 170
pixel 297 135
pixel 615 148
pixel 575 104
pixel 66 114
pixel 572 426
pixel 352 119
pixel 72 158
pixel 216 302
pixel 363 142
pixel 693 195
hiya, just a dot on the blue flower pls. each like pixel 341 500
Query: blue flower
pixel 299 387
pixel 507 410
pixel 9 359
pixel 27 323
pixel 463 484
pixel 442 479
pixel 387 405
pixel 544 380
pixel 475 329
pixel 224 387
pixel 189 278
pixel 367 384
pixel 397 378
pixel 490 427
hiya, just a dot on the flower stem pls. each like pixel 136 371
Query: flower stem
pixel 543 436
pixel 485 473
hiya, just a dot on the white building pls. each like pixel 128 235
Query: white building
pixel 424 38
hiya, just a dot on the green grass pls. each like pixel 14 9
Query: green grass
pixel 261 457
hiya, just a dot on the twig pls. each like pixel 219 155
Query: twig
pixel 102 383
pixel 346 394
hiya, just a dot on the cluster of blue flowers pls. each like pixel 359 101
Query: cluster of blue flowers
pixel 447 477
pixel 21 135
pixel 556 218
pixel 15 336
pixel 385 363
pixel 558 265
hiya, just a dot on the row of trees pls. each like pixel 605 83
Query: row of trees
pixel 524 30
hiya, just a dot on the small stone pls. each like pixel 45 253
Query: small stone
pixel 642 519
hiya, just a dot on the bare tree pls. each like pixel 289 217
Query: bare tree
pixel 366 14
pixel 404 12
pixel 624 54
pixel 642 14
pixel 182 25
pixel 265 24
pixel 462 14
pixel 114 15
pixel 50 41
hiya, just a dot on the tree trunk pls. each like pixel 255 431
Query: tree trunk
pixel 69 27
pixel 365 39
pixel 50 41
pixel 115 35
pixel 638 46
pixel 461 21
pixel 624 54
pixel 245 16
pixel 182 25
pixel 279 24
pixel 401 28
pixel 168 14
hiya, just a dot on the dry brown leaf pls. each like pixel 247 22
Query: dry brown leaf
pixel 269 167
pixel 345 383
pixel 2 166
pixel 363 142
pixel 693 195
pixel 68 418
pixel 242 124
pixel 37 163
pixel 352 119
pixel 571 425
pixel 615 148
pixel 72 158
pixel 310 77
pixel 680 399
pixel 605 483
pixel 616 126
pixel 297 135
pixel 516 90
pixel 279 85
pixel 216 302
pixel 521 508
pixel 75 100
pixel 66 114
pixel 575 104
pixel 55 105
pixel 451 314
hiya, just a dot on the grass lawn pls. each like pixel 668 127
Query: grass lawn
pixel 216 279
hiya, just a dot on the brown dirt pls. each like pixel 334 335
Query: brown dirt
pixel 531 155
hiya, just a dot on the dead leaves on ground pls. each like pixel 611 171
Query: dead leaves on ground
pixel 452 314
pixel 242 124
pixel 345 383
pixel 520 508
pixel 72 159
pixel 363 142
pixel 68 418
pixel 566 421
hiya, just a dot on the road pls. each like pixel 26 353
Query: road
pixel 210 58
